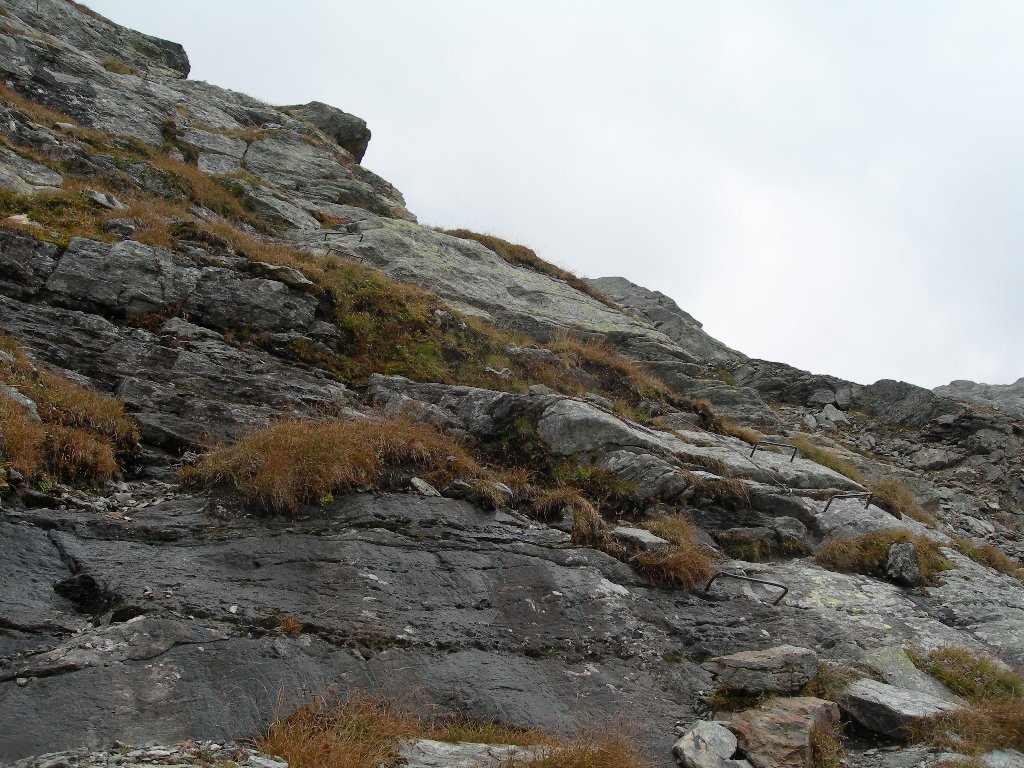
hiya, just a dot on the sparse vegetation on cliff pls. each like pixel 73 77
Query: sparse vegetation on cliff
pixel 301 462
pixel 521 256
pixel 75 434
pixel 867 554
pixel 367 731
pixel 994 717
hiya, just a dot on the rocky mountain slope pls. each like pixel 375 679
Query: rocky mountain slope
pixel 266 436
pixel 1004 397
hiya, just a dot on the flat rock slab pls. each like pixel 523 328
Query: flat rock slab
pixel 427 753
pixel 778 733
pixel 887 709
pixel 782 669
pixel 639 538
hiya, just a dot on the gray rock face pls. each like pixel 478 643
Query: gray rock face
pixel 182 394
pixel 131 278
pixel 99 36
pixel 570 427
pixel 897 402
pixel 349 131
pixel 1005 397
pixel 298 177
pixel 478 610
pixel 887 709
pixel 665 315
pixel 25 177
pixel 782 670
pixel 189 754
pixel 144 611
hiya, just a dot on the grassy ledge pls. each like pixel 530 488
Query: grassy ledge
pixel 295 462
pixel 361 730
pixel 867 554
pixel 79 435
pixel 994 717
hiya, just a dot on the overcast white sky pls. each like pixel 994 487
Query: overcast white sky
pixel 836 185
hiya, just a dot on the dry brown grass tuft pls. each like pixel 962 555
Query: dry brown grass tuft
pixel 365 731
pixel 740 545
pixel 867 554
pixel 203 189
pixel 293 462
pixel 828 459
pixel 830 681
pixel 685 564
pixel 990 555
pixel 745 434
pixel 457 729
pixel 701 406
pixel 292 626
pixel 60 215
pixel 827 746
pixel 709 463
pixel 676 528
pixel 557 501
pixel 894 497
pixel 595 750
pixel 728 492
pixel 975 729
pixel 972 675
pixel 23 439
pixel 79 431
pixel 79 456
pixel 361 731
pixel 118 67
pixel 486 494
pixel 521 256
pixel 83 8
pixel 599 358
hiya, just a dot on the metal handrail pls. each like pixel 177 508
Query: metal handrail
pixel 859 495
pixel 759 443
pixel 783 587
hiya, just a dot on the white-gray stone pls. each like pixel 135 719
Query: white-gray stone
pixel 639 538
pixel 707 744
pixel 887 709
pixel 833 415
pixel 427 753
pixel 422 487
pixel 11 393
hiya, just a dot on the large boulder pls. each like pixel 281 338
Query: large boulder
pixel 349 131
pixel 707 744
pixel 782 669
pixel 887 709
pixel 780 732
